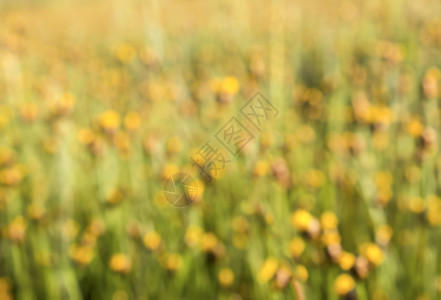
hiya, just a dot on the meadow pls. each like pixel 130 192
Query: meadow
pixel 337 196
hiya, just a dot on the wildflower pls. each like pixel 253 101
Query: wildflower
pixel 122 142
pixel 152 240
pixel 344 284
pixel 12 175
pixel 383 235
pixel 261 168
pixel 120 263
pixel 315 178
pixel 240 224
pixel 434 210
pixel 132 121
pixel 17 229
pixel 114 196
pixel 226 277
pixel 193 235
pixel 328 220
pixel 36 211
pixel 415 127
pixel 83 255
pixel 297 246
pixel 416 205
pixel 7 157
pixel 346 260
pixel 125 53
pixel 29 112
pixel 373 253
pixel 301 219
pixel 302 272
pixel 173 261
pixel 430 83
pixel 109 121
pixel 268 270
pixel 174 145
pixel 86 136
pixel 169 170
pixel 208 242
pixel 240 240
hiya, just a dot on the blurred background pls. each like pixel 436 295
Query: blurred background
pixel 335 198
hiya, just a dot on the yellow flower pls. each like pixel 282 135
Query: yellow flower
pixel 86 136
pixel 132 121
pixel 240 240
pixel 12 175
pixel 344 284
pixel 240 224
pixel 174 261
pixel 302 272
pixel 29 112
pixel 152 240
pixel 169 170
pixel 329 220
pixel 373 253
pixel 208 242
pixel 297 246
pixel 109 121
pixel 434 210
pixel 415 127
pixel 315 178
pixel 346 260
pixel 174 145
pixel 384 234
pixel 331 237
pixel 17 229
pixel 261 168
pixel 120 263
pixel 81 254
pixel 301 219
pixel 416 205
pixel 268 270
pixel 226 277
pixel 126 53
pixel 229 85
pixel 193 235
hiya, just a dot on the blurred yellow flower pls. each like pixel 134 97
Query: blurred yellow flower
pixel 296 247
pixel 328 220
pixel 240 224
pixel 81 254
pixel 169 170
pixel 17 229
pixel 373 253
pixel 226 277
pixel 302 272
pixel 383 234
pixel 152 240
pixel 268 270
pixel 174 261
pixel 346 260
pixel 126 53
pixel 109 121
pixel 193 235
pixel 261 168
pixel 415 127
pixel 301 219
pixel 344 284
pixel 120 263
pixel 208 242
pixel 132 121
